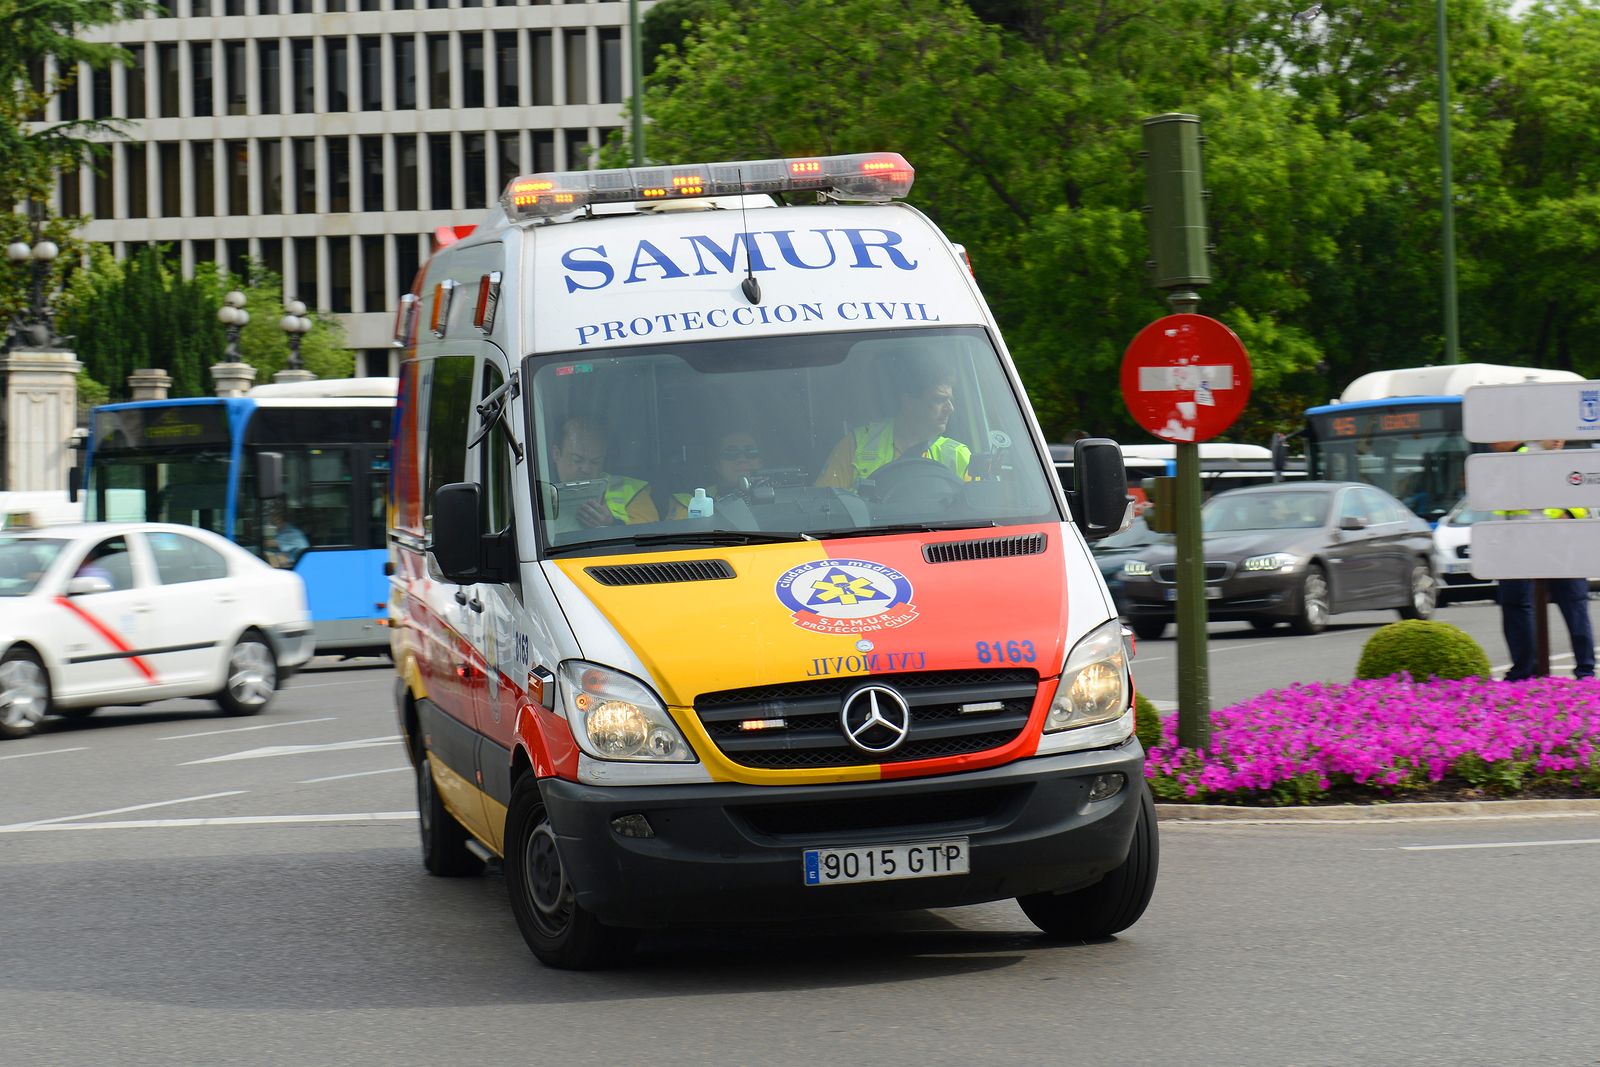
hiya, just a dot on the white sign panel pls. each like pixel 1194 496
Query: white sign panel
pixel 1536 548
pixel 1532 411
pixel 1511 480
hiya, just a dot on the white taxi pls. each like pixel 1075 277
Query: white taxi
pixel 101 614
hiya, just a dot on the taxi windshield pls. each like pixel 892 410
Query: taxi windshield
pixel 23 561
pixel 798 437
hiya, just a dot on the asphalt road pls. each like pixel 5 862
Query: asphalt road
pixel 1244 663
pixel 184 889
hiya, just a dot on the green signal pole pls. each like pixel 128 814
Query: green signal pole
pixel 1452 329
pixel 1180 256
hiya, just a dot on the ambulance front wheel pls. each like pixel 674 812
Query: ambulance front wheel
pixel 558 929
pixel 1112 904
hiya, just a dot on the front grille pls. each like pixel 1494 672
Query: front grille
pixel 689 570
pixel 811 735
pixel 1216 571
pixel 984 548
pixel 951 812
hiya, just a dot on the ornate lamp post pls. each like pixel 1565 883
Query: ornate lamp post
pixel 233 315
pixel 295 324
pixel 33 327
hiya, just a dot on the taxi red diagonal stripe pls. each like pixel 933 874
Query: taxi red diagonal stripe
pixel 110 635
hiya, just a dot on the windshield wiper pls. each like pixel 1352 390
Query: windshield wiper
pixel 689 537
pixel 911 527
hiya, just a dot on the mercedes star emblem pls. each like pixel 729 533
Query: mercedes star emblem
pixel 875 718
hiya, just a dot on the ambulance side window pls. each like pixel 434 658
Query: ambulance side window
pixel 449 419
pixel 496 465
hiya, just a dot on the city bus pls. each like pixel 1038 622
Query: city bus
pixel 1400 430
pixel 295 472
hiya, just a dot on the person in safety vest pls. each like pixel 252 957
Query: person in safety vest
pixel 927 400
pixel 580 456
pixel 1570 595
pixel 736 458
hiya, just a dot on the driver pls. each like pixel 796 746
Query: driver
pixel 927 400
pixel 736 458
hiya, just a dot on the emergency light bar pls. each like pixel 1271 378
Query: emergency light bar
pixel 866 176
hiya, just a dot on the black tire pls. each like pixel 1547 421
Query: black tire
pixel 1263 626
pixel 1115 902
pixel 444 840
pixel 251 678
pixel 555 926
pixel 1311 615
pixel 76 713
pixel 24 693
pixel 1423 593
pixel 1147 629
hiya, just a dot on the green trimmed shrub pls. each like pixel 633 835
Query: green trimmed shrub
pixel 1146 722
pixel 1424 649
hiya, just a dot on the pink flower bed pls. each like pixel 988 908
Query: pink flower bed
pixel 1388 737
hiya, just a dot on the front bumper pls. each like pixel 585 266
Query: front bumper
pixel 294 643
pixel 730 852
pixel 1266 594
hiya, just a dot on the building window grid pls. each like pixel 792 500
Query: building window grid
pixel 570 66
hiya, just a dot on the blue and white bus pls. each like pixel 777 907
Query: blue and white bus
pixel 1400 430
pixel 296 472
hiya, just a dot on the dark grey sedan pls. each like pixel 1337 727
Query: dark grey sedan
pixel 1293 553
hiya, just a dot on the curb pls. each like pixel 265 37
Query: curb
pixel 1362 813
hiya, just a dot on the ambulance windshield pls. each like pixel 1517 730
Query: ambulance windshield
pixel 818 435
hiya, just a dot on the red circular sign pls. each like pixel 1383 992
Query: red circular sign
pixel 1185 378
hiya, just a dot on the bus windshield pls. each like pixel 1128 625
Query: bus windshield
pixel 807 435
pixel 1410 447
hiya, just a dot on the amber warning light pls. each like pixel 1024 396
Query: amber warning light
pixel 867 176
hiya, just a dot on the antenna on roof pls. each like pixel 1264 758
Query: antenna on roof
pixel 751 287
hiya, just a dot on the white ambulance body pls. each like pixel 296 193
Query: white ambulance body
pixel 730 578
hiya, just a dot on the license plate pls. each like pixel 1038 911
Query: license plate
pixel 1212 593
pixel 1457 568
pixel 885 863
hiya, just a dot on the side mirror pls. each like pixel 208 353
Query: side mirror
pixel 74 477
pixel 269 475
pixel 458 531
pixel 464 553
pixel 1280 456
pixel 87 584
pixel 1352 522
pixel 1100 502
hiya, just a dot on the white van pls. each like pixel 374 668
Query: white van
pixel 730 576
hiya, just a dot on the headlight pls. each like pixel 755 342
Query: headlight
pixel 1136 568
pixel 1272 561
pixel 1094 683
pixel 616 717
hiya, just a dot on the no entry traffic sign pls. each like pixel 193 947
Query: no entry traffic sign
pixel 1186 378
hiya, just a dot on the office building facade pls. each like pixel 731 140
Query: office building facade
pixel 331 138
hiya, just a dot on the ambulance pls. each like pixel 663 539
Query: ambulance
pixel 730 578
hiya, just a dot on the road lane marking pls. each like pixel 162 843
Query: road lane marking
pixel 329 685
pixel 48 752
pixel 296 750
pixel 1500 844
pixel 14 827
pixel 358 774
pixel 228 820
pixel 245 729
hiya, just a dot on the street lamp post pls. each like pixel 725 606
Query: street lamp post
pixel 33 328
pixel 296 325
pixel 233 315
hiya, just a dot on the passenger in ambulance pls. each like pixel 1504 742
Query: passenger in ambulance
pixel 734 460
pixel 926 403
pixel 580 456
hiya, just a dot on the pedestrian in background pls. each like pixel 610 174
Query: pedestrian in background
pixel 1570 595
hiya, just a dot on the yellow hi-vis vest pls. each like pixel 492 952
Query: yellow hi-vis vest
pixel 620 492
pixel 875 447
pixel 1549 513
